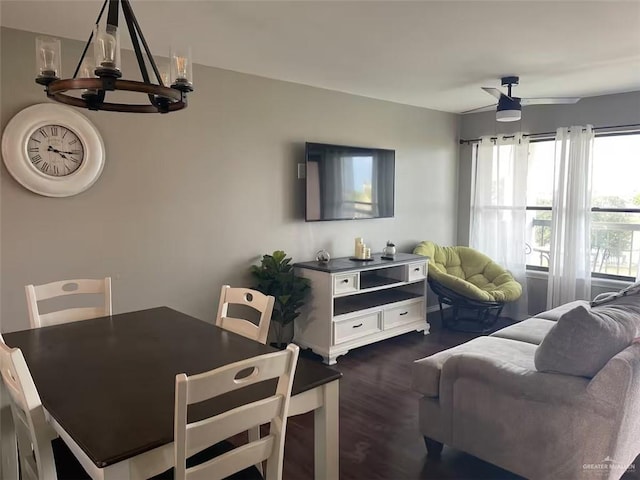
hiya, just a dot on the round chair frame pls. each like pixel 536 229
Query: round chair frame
pixel 487 312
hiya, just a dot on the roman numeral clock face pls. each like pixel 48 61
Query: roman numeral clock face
pixel 55 150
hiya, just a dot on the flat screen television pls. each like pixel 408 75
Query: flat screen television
pixel 348 183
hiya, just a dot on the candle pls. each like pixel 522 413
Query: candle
pixel 359 250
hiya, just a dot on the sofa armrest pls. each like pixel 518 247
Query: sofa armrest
pixel 619 378
pixel 522 383
pixel 619 384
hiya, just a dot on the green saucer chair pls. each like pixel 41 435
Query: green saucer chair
pixel 468 281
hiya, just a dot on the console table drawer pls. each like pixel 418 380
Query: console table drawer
pixel 396 316
pixel 345 330
pixel 416 271
pixel 346 283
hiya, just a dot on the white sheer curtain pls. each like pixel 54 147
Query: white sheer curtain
pixel 570 256
pixel 498 222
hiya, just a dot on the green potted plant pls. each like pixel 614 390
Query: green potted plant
pixel 275 276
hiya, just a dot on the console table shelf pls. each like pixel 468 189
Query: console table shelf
pixel 354 303
pixel 357 303
pixel 373 281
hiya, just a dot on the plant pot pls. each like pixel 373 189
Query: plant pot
pixel 280 334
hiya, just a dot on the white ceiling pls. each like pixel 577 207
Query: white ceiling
pixel 434 54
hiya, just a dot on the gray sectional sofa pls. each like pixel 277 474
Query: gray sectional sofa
pixel 556 396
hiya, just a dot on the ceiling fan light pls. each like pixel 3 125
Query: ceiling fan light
pixel 509 109
pixel 508 115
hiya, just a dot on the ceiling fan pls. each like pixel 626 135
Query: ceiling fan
pixel 509 108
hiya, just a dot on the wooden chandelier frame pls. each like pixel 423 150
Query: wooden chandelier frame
pixel 162 99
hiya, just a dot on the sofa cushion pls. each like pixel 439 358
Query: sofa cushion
pixel 585 338
pixel 426 371
pixel 555 313
pixel 532 330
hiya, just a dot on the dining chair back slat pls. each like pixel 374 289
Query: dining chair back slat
pixel 37 293
pixel 194 437
pixel 234 461
pixel 248 298
pixel 225 425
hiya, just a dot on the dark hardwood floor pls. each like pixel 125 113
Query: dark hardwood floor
pixel 379 437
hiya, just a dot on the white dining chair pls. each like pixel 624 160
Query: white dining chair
pixel 33 432
pixel 248 298
pixel 193 437
pixel 37 293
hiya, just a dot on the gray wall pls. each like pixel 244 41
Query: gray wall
pixel 603 111
pixel 187 201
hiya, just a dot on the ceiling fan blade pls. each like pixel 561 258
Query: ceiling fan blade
pixel 549 101
pixel 493 91
pixel 486 108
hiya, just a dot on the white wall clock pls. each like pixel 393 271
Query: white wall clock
pixel 53 150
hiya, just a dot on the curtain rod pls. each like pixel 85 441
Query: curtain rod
pixel 545 135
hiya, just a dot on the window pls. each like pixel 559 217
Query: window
pixel 615 227
pixel 539 198
pixel 615 221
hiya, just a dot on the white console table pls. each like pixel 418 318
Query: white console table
pixel 354 303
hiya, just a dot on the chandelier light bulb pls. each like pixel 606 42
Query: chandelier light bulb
pixel 107 48
pixel 48 57
pixel 164 76
pixel 87 68
pixel 181 73
pixel 181 65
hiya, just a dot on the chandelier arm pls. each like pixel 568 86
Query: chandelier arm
pixel 128 13
pixel 143 41
pixel 86 46
pixel 135 42
pixel 112 16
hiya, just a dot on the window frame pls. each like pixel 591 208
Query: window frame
pixel 549 208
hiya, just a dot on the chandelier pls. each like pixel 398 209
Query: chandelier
pixel 97 76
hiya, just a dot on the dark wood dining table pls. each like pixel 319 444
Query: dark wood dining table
pixel 107 385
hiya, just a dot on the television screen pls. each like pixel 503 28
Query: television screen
pixel 349 183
